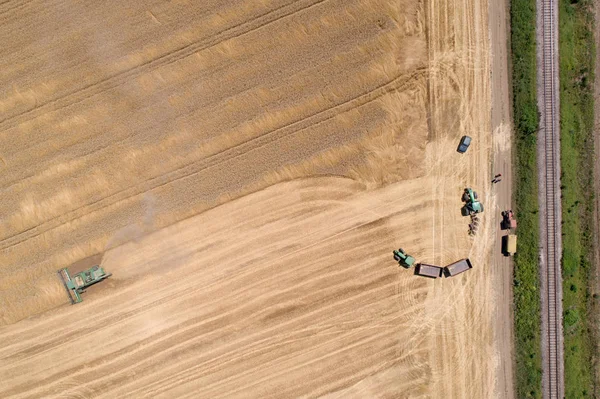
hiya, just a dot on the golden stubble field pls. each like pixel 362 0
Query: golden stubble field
pixel 244 169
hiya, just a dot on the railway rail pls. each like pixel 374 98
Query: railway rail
pixel 550 226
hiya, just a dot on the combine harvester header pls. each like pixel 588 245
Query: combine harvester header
pixel 77 284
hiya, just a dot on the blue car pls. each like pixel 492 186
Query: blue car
pixel 465 141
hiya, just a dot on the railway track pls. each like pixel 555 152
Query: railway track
pixel 549 170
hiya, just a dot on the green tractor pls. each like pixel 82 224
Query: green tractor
pixel 403 258
pixel 77 284
pixel 472 205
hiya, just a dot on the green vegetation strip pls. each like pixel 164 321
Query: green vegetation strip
pixel 576 47
pixel 526 278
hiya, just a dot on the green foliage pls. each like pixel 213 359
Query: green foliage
pixel 571 318
pixel 576 51
pixel 526 278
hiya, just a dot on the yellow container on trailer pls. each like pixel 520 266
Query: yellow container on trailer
pixel 510 244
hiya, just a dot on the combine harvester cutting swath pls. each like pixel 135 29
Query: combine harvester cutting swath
pixel 77 284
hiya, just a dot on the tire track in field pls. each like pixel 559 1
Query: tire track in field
pixel 133 75
pixel 174 333
pixel 218 158
pixel 25 20
pixel 201 370
pixel 193 288
pixel 81 94
pixel 205 368
pixel 185 335
pixel 48 143
pixel 14 6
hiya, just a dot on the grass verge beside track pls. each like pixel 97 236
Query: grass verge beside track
pixel 526 278
pixel 576 50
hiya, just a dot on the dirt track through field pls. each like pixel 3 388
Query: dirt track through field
pixel 137 144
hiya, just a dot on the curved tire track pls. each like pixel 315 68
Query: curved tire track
pixel 230 153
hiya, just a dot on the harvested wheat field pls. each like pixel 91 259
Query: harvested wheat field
pixel 244 170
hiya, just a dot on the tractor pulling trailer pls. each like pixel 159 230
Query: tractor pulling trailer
pixel 471 208
pixel 432 271
pixel 472 205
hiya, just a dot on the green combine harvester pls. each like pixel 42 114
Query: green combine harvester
pixel 472 205
pixel 77 284
pixel 403 258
